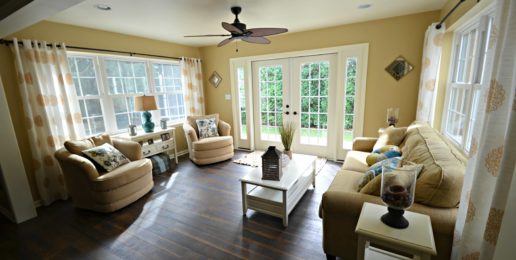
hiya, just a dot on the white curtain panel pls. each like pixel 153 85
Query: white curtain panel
pixel 51 110
pixel 429 73
pixel 192 86
pixel 492 164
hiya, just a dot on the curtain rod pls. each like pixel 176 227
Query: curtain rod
pixel 7 42
pixel 439 25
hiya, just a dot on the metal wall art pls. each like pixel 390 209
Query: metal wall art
pixel 399 68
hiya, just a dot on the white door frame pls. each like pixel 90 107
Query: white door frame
pixel 343 52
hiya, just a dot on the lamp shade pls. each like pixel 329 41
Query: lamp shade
pixel 145 103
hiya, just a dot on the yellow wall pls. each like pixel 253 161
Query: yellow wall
pixel 446 54
pixel 387 38
pixel 77 36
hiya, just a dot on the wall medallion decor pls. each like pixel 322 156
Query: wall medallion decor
pixel 399 68
pixel 215 79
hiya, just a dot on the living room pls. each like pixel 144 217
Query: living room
pixel 341 89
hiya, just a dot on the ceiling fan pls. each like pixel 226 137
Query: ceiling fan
pixel 239 30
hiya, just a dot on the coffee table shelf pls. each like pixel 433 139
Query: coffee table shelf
pixel 279 198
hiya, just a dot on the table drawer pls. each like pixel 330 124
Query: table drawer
pixel 164 146
pixel 148 150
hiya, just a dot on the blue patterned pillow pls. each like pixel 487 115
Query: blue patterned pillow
pixel 376 169
pixel 107 156
pixel 207 127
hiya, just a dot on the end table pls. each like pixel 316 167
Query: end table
pixel 416 240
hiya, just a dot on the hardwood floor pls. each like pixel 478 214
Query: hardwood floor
pixel 194 213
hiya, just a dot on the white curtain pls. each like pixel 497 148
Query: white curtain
pixel 429 73
pixel 492 165
pixel 192 86
pixel 51 110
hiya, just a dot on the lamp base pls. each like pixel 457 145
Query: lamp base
pixel 394 218
pixel 148 125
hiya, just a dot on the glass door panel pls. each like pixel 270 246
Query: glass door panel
pixel 313 83
pixel 269 86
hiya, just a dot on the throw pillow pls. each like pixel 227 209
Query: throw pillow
pixel 390 136
pixel 383 153
pixel 207 127
pixel 192 120
pixel 107 156
pixel 376 170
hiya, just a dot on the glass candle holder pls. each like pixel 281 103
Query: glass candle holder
pixel 393 115
pixel 397 191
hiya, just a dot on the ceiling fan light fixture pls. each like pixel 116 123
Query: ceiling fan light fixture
pixel 364 6
pixel 103 7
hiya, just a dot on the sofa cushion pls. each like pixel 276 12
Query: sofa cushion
pixel 440 182
pixel 390 136
pixel 212 143
pixel 122 175
pixel 192 120
pixel 356 161
pixel 346 181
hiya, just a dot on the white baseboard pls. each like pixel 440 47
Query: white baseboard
pixel 179 153
pixel 38 203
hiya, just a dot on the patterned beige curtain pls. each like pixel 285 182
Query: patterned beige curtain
pixel 429 73
pixel 192 86
pixel 51 110
pixel 491 167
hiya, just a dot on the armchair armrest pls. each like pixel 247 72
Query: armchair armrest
pixel 131 149
pixel 191 135
pixel 364 144
pixel 75 165
pixel 224 128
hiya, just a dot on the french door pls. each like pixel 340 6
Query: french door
pixel 322 92
pixel 296 90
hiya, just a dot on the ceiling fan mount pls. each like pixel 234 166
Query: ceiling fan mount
pixel 239 30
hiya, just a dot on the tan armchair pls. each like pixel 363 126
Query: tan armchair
pixel 109 191
pixel 212 149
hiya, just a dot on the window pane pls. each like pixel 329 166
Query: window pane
pixel 126 77
pixel 349 102
pixel 242 102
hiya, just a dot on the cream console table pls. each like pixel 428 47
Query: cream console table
pixel 155 142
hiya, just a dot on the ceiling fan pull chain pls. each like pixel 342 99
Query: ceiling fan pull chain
pixel 236 43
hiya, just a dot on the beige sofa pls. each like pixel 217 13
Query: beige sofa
pixel 212 149
pixel 438 191
pixel 109 191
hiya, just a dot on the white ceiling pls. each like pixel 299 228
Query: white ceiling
pixel 170 20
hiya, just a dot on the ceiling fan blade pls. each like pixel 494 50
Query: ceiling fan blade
pixel 208 35
pixel 259 40
pixel 267 31
pixel 231 28
pixel 224 42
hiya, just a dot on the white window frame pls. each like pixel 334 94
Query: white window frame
pixel 106 99
pixel 478 82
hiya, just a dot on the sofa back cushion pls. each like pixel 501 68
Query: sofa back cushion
pixel 440 181
pixel 390 136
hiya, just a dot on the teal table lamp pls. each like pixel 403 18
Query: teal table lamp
pixel 146 104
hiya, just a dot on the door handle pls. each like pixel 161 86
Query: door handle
pixel 287 113
pixel 295 113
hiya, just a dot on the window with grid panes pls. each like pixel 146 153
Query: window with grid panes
pixel 106 86
pixel 465 89
pixel 349 101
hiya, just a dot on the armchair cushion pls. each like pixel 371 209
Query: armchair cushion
pixel 107 156
pixel 192 120
pixel 122 175
pixel 212 143
pixel 77 146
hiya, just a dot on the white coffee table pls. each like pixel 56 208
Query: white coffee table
pixel 278 198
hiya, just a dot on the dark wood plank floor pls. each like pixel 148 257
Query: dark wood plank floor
pixel 196 212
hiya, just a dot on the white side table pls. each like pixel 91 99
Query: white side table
pixel 416 240
pixel 153 143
